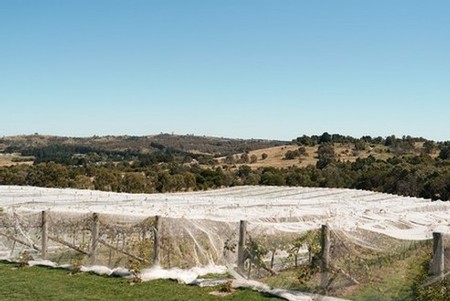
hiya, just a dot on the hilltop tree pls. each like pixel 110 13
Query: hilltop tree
pixel 390 140
pixel 325 138
pixel 305 140
pixel 429 147
pixel 444 154
pixel 360 145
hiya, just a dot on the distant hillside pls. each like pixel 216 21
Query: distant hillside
pixel 285 156
pixel 213 146
pixel 227 152
pixel 168 163
pixel 302 152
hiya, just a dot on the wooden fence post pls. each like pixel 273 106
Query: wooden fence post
pixel 95 236
pixel 325 256
pixel 437 263
pixel 241 245
pixel 44 235
pixel 157 240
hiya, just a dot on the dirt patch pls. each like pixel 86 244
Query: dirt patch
pixel 14 159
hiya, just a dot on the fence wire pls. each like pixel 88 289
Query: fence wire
pixel 281 258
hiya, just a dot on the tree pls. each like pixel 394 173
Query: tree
pixel 210 178
pixel 244 171
pixel 298 177
pixel 247 176
pixel 306 140
pixel 264 156
pixel 178 183
pixel 272 176
pixel 325 154
pixel 189 181
pixel 83 182
pixel 428 147
pixel 302 151
pixel 107 180
pixel 325 138
pixel 291 155
pixel 333 176
pixel 252 179
pixel 134 183
pixel 390 140
pixel 253 159
pixel 438 186
pixel 229 159
pixel 14 175
pixel 164 182
pixel 360 145
pixel 444 154
pixel 244 158
pixel 48 175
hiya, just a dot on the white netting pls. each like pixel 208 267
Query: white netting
pixel 24 228
pixel 187 243
pixel 368 229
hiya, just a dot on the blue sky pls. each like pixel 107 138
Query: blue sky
pixel 233 68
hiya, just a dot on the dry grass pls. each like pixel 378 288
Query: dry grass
pixel 347 152
pixel 276 155
pixel 14 159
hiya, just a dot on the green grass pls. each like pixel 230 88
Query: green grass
pixel 40 283
pixel 394 281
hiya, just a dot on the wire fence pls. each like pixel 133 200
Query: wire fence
pixel 322 260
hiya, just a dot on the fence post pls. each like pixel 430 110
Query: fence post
pixel 44 235
pixel 241 244
pixel 325 256
pixel 94 230
pixel 157 240
pixel 437 263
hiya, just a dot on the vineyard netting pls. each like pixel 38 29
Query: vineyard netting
pixel 323 241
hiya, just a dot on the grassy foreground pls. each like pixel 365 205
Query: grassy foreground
pixel 40 283
pixel 396 280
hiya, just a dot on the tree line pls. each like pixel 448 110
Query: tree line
pixel 417 176
pixel 168 170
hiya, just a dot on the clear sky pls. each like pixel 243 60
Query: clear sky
pixel 234 68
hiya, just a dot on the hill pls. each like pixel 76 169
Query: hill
pixel 214 146
pixel 169 163
pixel 278 156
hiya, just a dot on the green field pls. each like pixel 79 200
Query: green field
pixel 40 283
